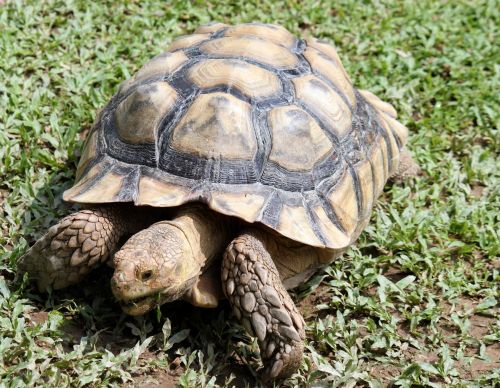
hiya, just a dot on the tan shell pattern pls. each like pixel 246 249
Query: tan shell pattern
pixel 253 122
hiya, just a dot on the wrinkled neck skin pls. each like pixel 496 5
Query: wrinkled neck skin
pixel 161 263
pixel 207 232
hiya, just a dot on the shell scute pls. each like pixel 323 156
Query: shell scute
pixel 342 198
pixel 378 103
pixel 299 143
pixel 165 63
pixel 333 235
pixel 247 206
pixel 270 32
pixel 210 28
pixel 312 93
pixel 187 41
pixel 363 171
pixel 331 71
pixel 393 154
pixel 212 122
pixel 294 222
pixel 253 48
pixel 153 192
pixel 251 80
pixel 137 117
pixel 91 190
pixel 89 153
pixel 329 51
pixel 378 162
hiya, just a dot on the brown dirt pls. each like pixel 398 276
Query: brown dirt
pixel 482 141
pixel 477 191
pixel 39 317
pixel 307 306
pixel 385 373
pixel 479 327
pixel 159 378
pixel 3 192
pixel 479 367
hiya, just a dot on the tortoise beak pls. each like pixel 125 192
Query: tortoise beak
pixel 142 298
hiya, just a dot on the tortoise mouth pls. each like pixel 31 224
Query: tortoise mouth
pixel 135 301
pixel 142 304
pixel 137 298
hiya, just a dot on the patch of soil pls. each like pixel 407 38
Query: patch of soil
pixel 395 274
pixel 482 141
pixel 4 193
pixel 307 306
pixel 478 366
pixel 157 378
pixel 479 325
pixel 39 317
pixel 477 190
pixel 415 355
pixel 385 373
pixel 168 376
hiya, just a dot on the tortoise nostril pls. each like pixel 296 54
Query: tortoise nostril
pixel 146 275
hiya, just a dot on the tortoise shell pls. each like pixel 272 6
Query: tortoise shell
pixel 253 122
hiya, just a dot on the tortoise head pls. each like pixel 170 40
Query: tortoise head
pixel 153 267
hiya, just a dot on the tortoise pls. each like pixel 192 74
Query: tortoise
pixel 237 163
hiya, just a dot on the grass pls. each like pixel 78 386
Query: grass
pixel 414 303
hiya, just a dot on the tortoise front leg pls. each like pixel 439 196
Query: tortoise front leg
pixel 75 245
pixel 259 300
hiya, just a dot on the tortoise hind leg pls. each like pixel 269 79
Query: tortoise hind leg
pixel 72 247
pixel 407 167
pixel 259 300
